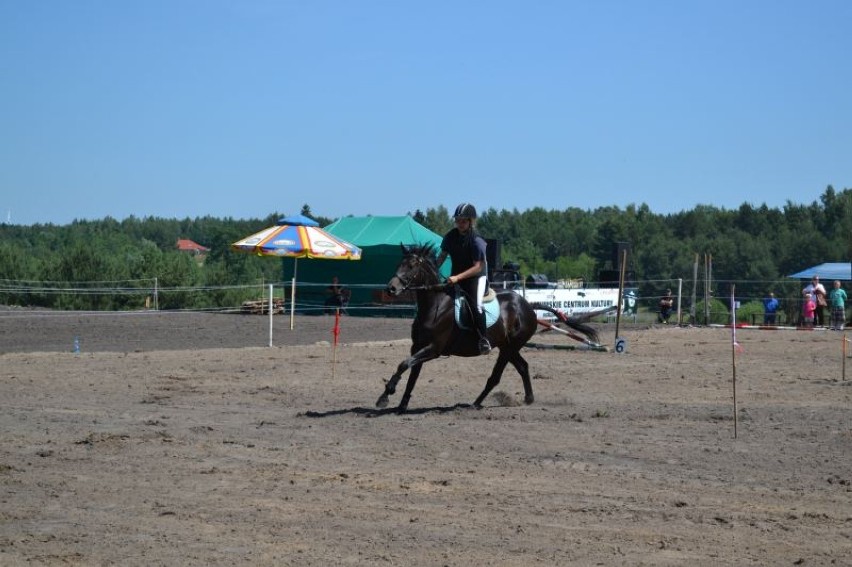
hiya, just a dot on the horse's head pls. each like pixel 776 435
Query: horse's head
pixel 417 268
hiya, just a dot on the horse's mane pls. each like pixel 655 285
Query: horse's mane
pixel 428 251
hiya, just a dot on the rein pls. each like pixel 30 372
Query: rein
pixel 433 287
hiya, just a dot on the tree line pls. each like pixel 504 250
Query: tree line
pixel 755 245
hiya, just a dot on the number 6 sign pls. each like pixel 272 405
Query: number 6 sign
pixel 620 345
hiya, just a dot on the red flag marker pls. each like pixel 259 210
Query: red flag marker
pixel 336 330
pixel 336 333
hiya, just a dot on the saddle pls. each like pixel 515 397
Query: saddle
pixel 490 306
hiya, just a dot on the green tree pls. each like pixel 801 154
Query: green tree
pixel 438 220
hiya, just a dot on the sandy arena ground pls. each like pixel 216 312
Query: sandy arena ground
pixel 157 447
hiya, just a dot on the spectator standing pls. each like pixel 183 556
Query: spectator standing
pixel 820 298
pixel 339 297
pixel 770 309
pixel 666 305
pixel 837 300
pixel 808 308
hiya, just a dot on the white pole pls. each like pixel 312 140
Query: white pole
pixel 679 291
pixel 623 261
pixel 694 288
pixel 156 296
pixel 706 289
pixel 293 294
pixel 708 283
pixel 734 353
pixel 270 314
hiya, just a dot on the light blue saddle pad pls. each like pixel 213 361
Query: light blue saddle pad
pixel 491 308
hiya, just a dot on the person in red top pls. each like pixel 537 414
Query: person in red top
pixel 808 309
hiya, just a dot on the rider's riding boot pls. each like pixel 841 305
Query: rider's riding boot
pixel 484 345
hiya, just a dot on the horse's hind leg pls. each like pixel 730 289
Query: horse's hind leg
pixel 494 379
pixel 524 370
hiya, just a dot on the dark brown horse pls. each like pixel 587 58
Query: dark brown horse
pixel 435 333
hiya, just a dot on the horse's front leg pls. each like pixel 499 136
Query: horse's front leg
pixel 390 387
pixel 409 386
pixel 413 362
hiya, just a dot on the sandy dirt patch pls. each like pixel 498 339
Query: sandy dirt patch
pixel 259 456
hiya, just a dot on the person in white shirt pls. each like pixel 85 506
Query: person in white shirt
pixel 818 294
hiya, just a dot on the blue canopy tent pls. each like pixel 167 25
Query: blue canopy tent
pixel 827 272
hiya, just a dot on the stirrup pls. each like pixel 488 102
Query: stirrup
pixel 484 346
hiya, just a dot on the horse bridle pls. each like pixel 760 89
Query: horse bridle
pixel 406 283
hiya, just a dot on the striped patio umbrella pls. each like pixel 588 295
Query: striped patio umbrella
pixel 297 237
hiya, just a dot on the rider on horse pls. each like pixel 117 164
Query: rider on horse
pixel 466 249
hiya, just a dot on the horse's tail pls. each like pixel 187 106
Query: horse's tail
pixel 575 323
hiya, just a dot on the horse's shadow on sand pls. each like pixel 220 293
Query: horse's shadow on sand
pixel 379 412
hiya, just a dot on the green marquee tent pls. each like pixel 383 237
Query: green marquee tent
pixel 379 239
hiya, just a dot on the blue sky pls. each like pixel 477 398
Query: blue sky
pixel 187 108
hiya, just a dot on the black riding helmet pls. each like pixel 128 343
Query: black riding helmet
pixel 465 211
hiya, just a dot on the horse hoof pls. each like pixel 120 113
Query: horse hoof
pixel 382 402
pixel 401 409
pixel 528 400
